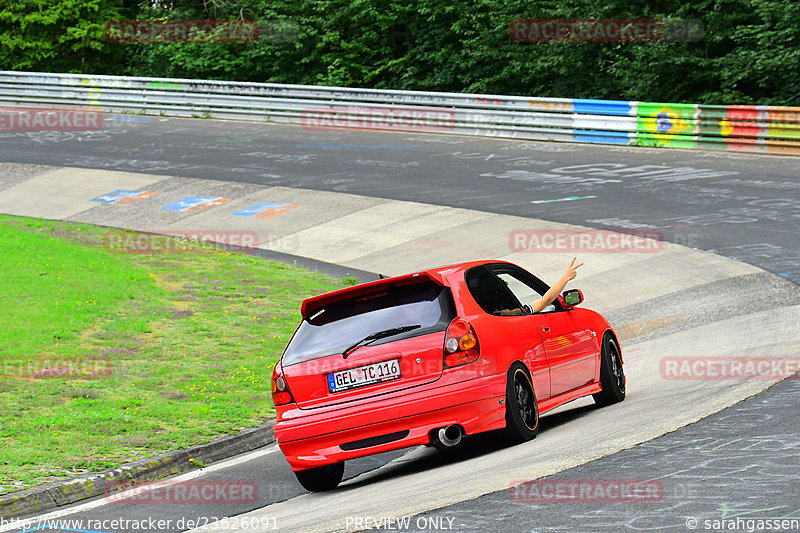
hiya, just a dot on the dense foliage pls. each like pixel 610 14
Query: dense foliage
pixel 749 53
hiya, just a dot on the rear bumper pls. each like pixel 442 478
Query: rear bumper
pixel 309 439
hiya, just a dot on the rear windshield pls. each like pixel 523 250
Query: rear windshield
pixel 332 329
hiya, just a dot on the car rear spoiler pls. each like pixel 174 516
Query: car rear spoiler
pixel 313 304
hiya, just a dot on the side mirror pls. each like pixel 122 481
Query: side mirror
pixel 572 297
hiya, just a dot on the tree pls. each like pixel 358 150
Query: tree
pixel 749 53
pixel 58 35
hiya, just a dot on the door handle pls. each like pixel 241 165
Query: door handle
pixel 545 329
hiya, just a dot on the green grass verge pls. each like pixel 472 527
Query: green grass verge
pixel 108 357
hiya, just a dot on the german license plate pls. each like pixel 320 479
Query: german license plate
pixel 361 376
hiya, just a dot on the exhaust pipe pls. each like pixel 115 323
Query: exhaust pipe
pixel 447 437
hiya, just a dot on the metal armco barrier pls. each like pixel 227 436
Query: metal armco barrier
pixel 741 128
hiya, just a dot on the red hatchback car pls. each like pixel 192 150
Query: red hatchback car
pixel 429 357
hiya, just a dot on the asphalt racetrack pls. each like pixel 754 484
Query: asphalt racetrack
pixel 738 464
pixel 740 206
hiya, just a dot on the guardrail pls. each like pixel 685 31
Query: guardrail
pixel 744 128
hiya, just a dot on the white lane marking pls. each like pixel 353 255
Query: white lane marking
pixel 567 199
pixel 410 455
pixel 100 502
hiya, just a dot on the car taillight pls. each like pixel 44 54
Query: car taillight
pixel 460 344
pixel 280 390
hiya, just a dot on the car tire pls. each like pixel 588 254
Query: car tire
pixel 321 478
pixel 522 409
pixel 612 375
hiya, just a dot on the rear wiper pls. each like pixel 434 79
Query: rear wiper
pixel 379 335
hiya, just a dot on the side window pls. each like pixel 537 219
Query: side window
pixel 525 289
pixel 524 293
pixel 490 293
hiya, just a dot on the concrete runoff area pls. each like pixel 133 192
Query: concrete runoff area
pixel 654 406
pixel 394 237
pixel 62 193
pixel 731 471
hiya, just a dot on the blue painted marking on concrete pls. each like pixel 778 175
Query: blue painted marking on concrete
pixel 115 196
pixel 601 107
pixel 189 202
pixel 255 209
